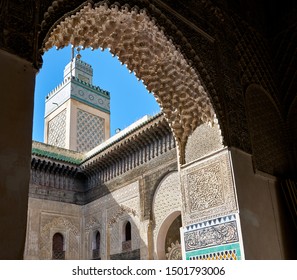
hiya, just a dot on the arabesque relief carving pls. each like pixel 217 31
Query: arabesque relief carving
pixel 136 40
pixel 209 188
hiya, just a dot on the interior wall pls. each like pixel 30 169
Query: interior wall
pixel 17 88
pixel 265 227
pixel 267 132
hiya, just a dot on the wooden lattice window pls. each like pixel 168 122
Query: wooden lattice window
pixel 128 231
pixel 58 247
pixel 96 249
pixel 126 244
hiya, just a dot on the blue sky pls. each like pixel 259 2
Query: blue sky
pixel 129 99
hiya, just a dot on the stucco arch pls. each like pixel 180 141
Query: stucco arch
pixel 167 204
pixel 134 37
pixel 161 237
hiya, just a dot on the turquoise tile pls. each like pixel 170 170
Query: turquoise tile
pixel 217 249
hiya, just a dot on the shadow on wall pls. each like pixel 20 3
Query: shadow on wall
pixel 268 134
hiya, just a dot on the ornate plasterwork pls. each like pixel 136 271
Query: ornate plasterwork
pixel 92 223
pixel 68 228
pixel 174 251
pixel 205 188
pixel 117 217
pixel 212 234
pixel 90 131
pixel 209 188
pixel 57 130
pixel 122 209
pixel 167 200
pixel 203 141
pixel 214 239
pixel 136 40
pixel 121 206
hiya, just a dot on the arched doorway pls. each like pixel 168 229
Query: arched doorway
pixel 168 239
pixel 142 46
pixel 58 252
pixel 96 255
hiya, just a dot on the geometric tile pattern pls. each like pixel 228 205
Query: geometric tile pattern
pixel 90 131
pixel 224 255
pixel 230 252
pixel 57 130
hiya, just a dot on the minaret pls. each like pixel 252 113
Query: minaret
pixel 77 113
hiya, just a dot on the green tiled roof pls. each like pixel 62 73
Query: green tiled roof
pixel 44 150
pixel 77 158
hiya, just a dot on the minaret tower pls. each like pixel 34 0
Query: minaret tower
pixel 77 113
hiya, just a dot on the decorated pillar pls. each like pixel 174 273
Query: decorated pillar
pixel 210 214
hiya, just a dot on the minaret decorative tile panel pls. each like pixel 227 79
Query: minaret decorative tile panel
pixel 77 113
pixel 57 130
pixel 90 131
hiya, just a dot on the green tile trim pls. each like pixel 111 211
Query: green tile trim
pixel 97 90
pixel 56 156
pixel 90 104
pixel 234 246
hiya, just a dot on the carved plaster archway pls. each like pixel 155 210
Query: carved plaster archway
pixel 142 46
pixel 67 229
pixel 161 237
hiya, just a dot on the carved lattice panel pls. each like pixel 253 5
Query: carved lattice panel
pixel 57 130
pixel 90 131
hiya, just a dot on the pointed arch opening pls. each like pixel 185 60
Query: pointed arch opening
pixel 168 238
pixel 58 251
pixel 127 236
pixel 134 37
pixel 96 245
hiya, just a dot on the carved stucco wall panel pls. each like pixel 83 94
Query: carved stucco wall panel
pixel 211 236
pixel 47 218
pixel 167 200
pixel 167 204
pixel 118 216
pixel 142 46
pixel 110 213
pixel 68 226
pixel 92 225
pixel 209 188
